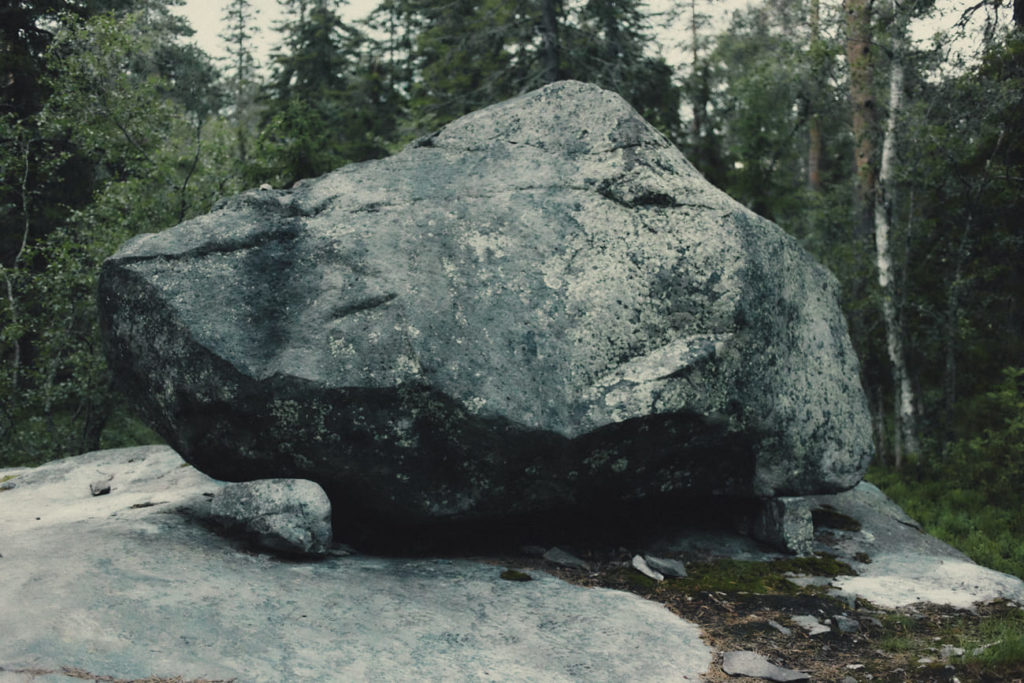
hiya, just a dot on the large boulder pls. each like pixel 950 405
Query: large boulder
pixel 543 305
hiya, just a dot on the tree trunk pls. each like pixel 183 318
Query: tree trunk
pixel 861 65
pixel 549 31
pixel 905 427
pixel 814 124
pixel 699 102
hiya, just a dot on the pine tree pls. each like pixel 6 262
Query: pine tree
pixel 319 107
pixel 242 77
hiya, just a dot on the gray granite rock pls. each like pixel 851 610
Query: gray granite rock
pixel 745 663
pixel 810 624
pixel 780 628
pixel 284 515
pixel 674 569
pixel 565 559
pixel 100 487
pixel 846 624
pixel 541 305
pixel 786 522
pixel 640 564
pixel 141 593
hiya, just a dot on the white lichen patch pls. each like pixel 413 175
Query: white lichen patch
pixel 406 366
pixel 475 404
pixel 285 411
pixel 342 348
pixel 488 246
pixel 660 363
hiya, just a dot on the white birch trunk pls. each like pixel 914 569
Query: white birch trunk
pixel 906 428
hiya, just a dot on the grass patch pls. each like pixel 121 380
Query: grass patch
pixel 999 642
pixel 8 478
pixel 989 531
pixel 738 576
pixel 515 575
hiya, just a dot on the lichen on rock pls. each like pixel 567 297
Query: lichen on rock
pixel 541 306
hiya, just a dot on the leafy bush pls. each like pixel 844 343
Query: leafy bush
pixel 973 498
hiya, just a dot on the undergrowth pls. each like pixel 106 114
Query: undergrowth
pixel 970 494
pixel 987 526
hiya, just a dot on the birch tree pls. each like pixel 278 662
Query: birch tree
pixel 905 431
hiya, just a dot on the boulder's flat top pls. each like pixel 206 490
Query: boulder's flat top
pixel 107 586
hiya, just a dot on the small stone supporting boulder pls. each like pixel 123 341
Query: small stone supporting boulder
pixel 541 306
pixel 283 515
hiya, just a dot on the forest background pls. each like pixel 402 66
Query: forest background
pixel 898 163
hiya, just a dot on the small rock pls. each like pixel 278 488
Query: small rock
pixel 926 660
pixel 563 559
pixel 100 488
pixel 849 598
pixel 7 485
pixel 810 624
pixel 804 581
pixel 786 522
pixel 341 550
pixel 978 650
pixel 780 628
pixel 848 679
pixel 846 624
pixel 640 564
pixel 745 663
pixel 947 651
pixel 283 515
pixel 515 575
pixel 671 568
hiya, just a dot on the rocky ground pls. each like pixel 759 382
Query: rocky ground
pixel 921 642
pixel 134 583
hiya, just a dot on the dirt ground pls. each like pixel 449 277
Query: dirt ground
pixel 888 645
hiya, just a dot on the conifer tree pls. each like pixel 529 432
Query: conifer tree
pixel 242 77
pixel 317 114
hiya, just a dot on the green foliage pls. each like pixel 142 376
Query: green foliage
pixel 515 575
pixel 143 150
pixel 1000 643
pixel 974 498
pixel 326 106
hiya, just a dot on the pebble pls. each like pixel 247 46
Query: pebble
pixel 100 488
pixel 563 559
pixel 810 624
pixel 745 663
pixel 845 624
pixel 640 564
pixel 671 568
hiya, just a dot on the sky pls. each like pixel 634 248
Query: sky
pixel 205 17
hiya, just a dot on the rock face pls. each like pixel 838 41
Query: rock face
pixel 543 305
pixel 285 515
pixel 130 586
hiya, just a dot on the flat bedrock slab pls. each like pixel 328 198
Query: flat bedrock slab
pixel 542 305
pixel 132 584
